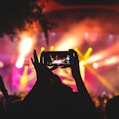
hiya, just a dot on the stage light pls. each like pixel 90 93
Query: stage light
pixel 20 62
pixel 95 65
pixel 80 55
pixel 100 78
pixel 42 49
pixel 23 80
pixel 83 60
pixel 88 52
pixel 52 48
pixel 25 45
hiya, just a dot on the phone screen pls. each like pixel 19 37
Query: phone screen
pixel 57 58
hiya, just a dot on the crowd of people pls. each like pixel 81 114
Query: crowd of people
pixel 49 95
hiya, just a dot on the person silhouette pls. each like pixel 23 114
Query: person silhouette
pixel 49 94
pixel 112 107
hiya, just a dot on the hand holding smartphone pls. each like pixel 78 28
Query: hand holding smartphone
pixel 56 58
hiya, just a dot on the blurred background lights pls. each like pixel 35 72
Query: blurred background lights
pixel 1 64
pixel 95 65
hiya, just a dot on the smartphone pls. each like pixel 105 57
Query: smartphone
pixel 57 58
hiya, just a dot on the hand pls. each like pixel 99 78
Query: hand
pixel 44 74
pixel 74 63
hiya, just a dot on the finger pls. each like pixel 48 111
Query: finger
pixel 35 56
pixel 74 55
pixel 32 61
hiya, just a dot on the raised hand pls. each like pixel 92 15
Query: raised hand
pixel 74 63
pixel 3 88
pixel 44 74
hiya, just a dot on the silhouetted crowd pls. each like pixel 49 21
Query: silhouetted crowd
pixel 49 96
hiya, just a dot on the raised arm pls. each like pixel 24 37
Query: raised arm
pixel 75 68
pixel 41 71
pixel 84 97
pixel 3 88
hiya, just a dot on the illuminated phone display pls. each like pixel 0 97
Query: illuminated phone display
pixel 57 58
